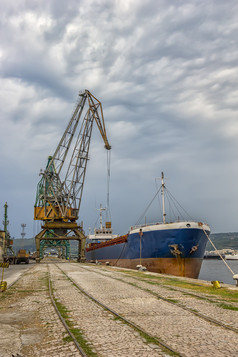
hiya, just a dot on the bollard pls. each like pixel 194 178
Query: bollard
pixel 3 286
pixel 216 284
pixel 141 268
pixel 235 277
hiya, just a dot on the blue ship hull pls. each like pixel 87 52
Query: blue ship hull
pixel 173 248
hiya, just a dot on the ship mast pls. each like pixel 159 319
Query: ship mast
pixel 162 192
pixel 101 209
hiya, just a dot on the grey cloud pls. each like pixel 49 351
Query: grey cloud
pixel 166 74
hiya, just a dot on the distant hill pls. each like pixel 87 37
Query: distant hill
pixel 26 243
pixel 29 245
pixel 221 241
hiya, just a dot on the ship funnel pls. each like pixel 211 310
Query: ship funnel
pixel 108 224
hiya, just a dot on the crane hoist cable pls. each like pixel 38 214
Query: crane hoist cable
pixel 108 212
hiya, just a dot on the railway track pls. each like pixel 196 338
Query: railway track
pixel 29 325
pixel 19 277
pixel 66 326
pixel 162 349
pixel 170 301
pixel 186 292
pixel 107 313
pixel 183 327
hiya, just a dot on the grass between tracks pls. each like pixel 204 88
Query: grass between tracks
pixel 5 295
pixel 147 338
pixel 77 333
pixel 17 292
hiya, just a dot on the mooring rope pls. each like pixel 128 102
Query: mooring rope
pixel 217 251
pixel 120 254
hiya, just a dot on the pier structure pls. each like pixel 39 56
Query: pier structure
pixel 90 310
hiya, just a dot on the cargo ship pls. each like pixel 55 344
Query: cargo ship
pixel 174 248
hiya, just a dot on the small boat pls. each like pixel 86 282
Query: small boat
pixel 211 255
pixel 175 248
pixel 231 256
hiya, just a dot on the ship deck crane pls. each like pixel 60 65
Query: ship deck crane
pixel 59 192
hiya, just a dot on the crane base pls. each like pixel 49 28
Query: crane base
pixel 61 231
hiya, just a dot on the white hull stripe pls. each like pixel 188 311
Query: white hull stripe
pixel 166 226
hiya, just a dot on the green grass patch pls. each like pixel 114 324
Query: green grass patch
pixel 44 280
pixel 77 333
pixel 29 290
pixel 63 312
pixel 147 338
pixel 225 294
pixel 116 318
pixel 8 294
pixel 82 342
pixel 67 339
pixel 5 294
pixel 172 300
pixel 154 341
pixel 228 307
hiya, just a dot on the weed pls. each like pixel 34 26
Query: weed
pixel 224 293
pixel 83 343
pixel 228 307
pixel 77 333
pixel 67 339
pixel 172 300
pixel 147 338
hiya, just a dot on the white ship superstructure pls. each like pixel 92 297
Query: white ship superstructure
pixel 101 234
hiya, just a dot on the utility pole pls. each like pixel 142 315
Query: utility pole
pixel 8 241
pixel 23 225
pixel 5 223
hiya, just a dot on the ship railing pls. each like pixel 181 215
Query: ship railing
pixel 144 225
pixel 158 223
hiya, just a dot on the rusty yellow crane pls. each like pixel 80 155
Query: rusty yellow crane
pixel 59 192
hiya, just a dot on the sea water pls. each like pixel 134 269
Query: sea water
pixel 217 270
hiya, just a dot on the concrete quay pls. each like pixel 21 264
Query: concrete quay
pixel 185 332
pixel 107 336
pixel 29 325
pixel 163 306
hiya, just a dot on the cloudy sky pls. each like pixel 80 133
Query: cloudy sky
pixel 166 73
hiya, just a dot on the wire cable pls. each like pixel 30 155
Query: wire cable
pixel 108 212
pixel 143 214
pixel 120 254
pixel 174 200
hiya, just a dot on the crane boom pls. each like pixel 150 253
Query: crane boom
pixel 57 198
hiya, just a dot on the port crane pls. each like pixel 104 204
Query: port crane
pixel 59 192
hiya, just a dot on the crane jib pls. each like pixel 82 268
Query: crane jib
pixel 59 192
